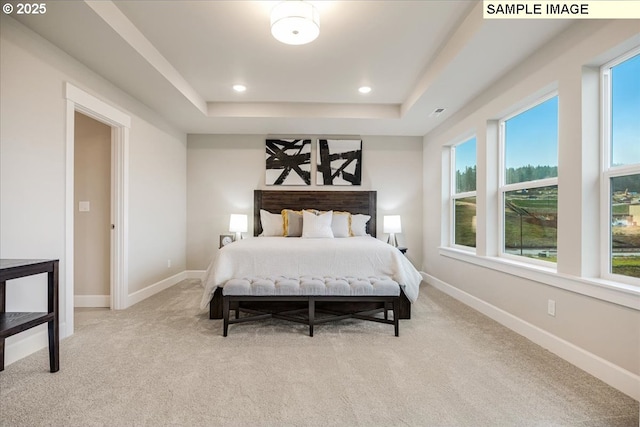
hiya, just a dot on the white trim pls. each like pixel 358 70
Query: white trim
pixel 92 301
pixel 195 274
pixel 120 218
pixel 503 187
pixel 530 105
pixel 617 377
pixel 453 194
pixel 526 185
pixel 69 211
pixel 93 107
pixel 28 344
pixel 613 292
pixel 79 100
pixel 609 171
pixel 153 289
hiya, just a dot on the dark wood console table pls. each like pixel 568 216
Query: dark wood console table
pixel 12 323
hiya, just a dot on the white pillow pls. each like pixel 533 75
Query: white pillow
pixel 359 224
pixel 314 226
pixel 272 224
pixel 340 224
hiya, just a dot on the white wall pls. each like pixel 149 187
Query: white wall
pixel 33 74
pixel 593 331
pixel 223 171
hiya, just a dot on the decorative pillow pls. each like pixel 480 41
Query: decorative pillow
pixel 272 224
pixel 292 223
pixel 359 224
pixel 341 224
pixel 314 226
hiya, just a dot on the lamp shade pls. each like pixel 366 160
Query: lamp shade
pixel 295 22
pixel 392 224
pixel 238 223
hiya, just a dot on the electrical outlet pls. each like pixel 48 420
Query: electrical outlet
pixel 168 263
pixel 551 307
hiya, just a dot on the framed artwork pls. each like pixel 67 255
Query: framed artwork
pixel 288 162
pixel 339 162
pixel 225 239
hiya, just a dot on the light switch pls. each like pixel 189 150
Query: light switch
pixel 84 206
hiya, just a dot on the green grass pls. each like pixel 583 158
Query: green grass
pixel 620 209
pixel 626 265
pixel 540 233
pixel 464 232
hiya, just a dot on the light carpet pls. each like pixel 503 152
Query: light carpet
pixel 164 362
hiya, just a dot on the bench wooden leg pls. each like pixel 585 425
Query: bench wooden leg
pixel 225 313
pixel 312 315
pixel 396 315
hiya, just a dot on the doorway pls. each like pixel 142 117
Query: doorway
pixel 80 101
pixel 92 219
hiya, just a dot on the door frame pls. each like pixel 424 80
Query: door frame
pixel 120 123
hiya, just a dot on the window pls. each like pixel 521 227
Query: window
pixel 529 182
pixel 463 200
pixel 621 171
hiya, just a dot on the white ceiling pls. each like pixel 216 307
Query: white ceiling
pixel 181 58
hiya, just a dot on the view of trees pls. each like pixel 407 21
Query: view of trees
pixel 466 181
pixel 530 173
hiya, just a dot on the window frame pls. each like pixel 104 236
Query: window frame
pixel 504 188
pixel 454 195
pixel 608 172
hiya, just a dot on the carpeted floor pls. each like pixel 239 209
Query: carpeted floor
pixel 163 362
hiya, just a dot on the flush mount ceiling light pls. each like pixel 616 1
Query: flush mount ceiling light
pixel 239 88
pixel 295 22
pixel 364 89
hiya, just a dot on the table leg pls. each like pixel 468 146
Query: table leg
pixel 53 325
pixel 3 286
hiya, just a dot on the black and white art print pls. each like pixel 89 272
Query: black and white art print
pixel 288 162
pixel 339 162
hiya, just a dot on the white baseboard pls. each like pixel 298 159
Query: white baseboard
pixel 91 301
pixel 617 377
pixel 28 342
pixel 150 290
pixel 195 274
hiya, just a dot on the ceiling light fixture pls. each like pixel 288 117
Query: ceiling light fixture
pixel 295 22
pixel 364 89
pixel 239 88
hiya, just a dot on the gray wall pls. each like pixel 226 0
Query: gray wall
pixel 588 316
pixel 223 171
pixel 33 75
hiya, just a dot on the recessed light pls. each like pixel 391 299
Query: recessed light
pixel 364 89
pixel 239 88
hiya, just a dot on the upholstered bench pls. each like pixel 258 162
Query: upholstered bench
pixel 310 290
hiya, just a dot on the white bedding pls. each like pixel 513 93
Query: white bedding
pixel 293 257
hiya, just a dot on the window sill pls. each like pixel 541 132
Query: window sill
pixel 606 290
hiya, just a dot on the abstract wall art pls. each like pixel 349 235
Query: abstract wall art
pixel 288 162
pixel 339 162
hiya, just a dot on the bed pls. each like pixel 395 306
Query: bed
pixel 291 256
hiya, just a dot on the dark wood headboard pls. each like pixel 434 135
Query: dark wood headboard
pixel 356 202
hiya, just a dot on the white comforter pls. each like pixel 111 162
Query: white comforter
pixel 293 257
